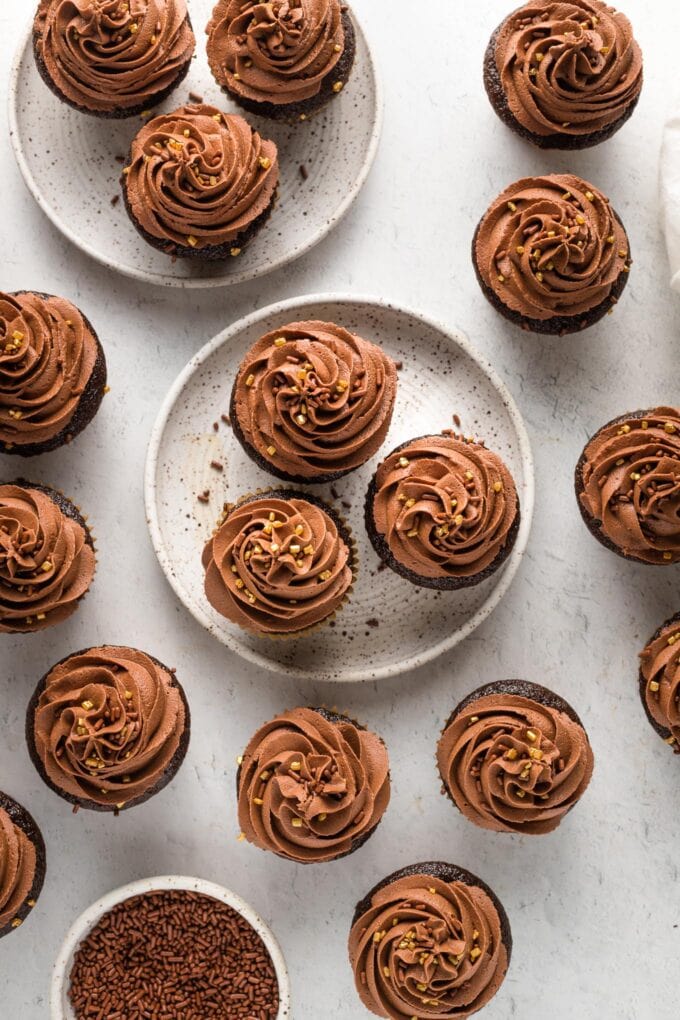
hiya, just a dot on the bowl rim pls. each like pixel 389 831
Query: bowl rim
pixel 297 305
pixel 192 283
pixel 59 1009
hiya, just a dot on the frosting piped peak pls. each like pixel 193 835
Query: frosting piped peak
pixel 568 68
pixel 312 786
pixel 279 52
pixel 630 484
pixel 319 396
pixel 105 55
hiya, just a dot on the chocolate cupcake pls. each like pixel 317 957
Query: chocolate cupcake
pixel 443 512
pixel 312 786
pixel 286 59
pixel 47 557
pixel 22 864
pixel 514 757
pixel 52 373
pixel 660 681
pixel 279 564
pixel 200 183
pixel 564 75
pixel 551 254
pixel 431 940
pixel 312 402
pixel 628 486
pixel 107 728
pixel 113 59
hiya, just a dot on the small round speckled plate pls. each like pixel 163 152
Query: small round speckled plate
pixel 388 626
pixel 71 163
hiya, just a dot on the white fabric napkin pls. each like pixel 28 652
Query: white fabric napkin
pixel 670 195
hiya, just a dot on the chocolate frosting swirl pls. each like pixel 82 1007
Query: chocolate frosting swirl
pixel 428 948
pixel 278 52
pixel 569 68
pixel 630 477
pixel 47 355
pixel 106 55
pixel 46 561
pixel 18 862
pixel 198 177
pixel 551 246
pixel 309 788
pixel 660 672
pixel 108 725
pixel 320 396
pixel 445 506
pixel 512 764
pixel 277 565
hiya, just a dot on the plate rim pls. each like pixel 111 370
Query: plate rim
pixel 191 283
pixel 454 337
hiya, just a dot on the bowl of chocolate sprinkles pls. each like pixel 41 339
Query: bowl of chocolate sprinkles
pixel 170 948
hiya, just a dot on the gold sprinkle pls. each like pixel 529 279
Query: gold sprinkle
pixel 271 450
pixel 386 971
pixel 17 335
pixel 30 903
pixel 580 220
pixel 532 737
pixel 669 427
pixel 403 462
pixel 611 239
pixel 296 766
pixel 128 695
pixel 16 922
pixel 241 837
pixel 240 584
pixel 539 277
pixel 475 953
pixel 239 760
pixel 497 486
pixel 299 528
pixel 635 476
pixel 134 27
pixel 458 519
pixel 264 776
pixel 322 817
pixel 378 936
pixel 296 823
pixel 191 240
pixel 265 162
pixel 235 252
pixel 539 57
pixel 590 196
pixel 326 576
pixel 535 753
pixel 421 987
pixel 520 793
pixel 645 424
pixel 46 567
pixel 280 341
pixel 512 207
pixel 654 686
pixel 409 503
pixel 338 86
pixel 501 278
pixel 337 48
pixel 87 705
pixel 668 556
pixel 520 249
pixel 250 380
pixel 511 754
pixel 308 550
pixel 258 801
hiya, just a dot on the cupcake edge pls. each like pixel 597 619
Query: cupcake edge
pixel 332 717
pixel 557 325
pixel 25 821
pixel 80 802
pixel 664 733
pixel 344 531
pixel 386 556
pixel 291 113
pixel 121 113
pixel 595 526
pixel 498 99
pixel 88 403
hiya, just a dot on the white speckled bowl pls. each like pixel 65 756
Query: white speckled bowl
pixel 60 1007
pixel 388 626
pixel 68 161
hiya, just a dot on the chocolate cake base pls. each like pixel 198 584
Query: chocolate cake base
pixel 332 717
pixel 83 802
pixel 24 821
pixel 663 731
pixel 291 113
pixel 445 873
pixel 557 325
pixel 87 406
pixel 121 113
pixel 519 689
pixel 594 526
pixel 437 583
pixel 559 140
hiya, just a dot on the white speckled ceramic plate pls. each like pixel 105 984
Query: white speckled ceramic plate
pixel 389 625
pixel 68 160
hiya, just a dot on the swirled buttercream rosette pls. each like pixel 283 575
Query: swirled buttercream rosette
pixel 22 864
pixel 659 681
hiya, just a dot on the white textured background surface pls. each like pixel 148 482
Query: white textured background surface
pixel 594 907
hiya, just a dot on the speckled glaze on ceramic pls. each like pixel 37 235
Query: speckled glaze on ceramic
pixel 60 1005
pixel 71 164
pixel 388 626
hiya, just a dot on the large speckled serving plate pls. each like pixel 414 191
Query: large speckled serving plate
pixel 389 626
pixel 71 164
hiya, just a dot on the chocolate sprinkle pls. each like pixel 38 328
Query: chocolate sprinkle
pixel 304 172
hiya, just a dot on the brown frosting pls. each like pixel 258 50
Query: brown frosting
pixel 108 725
pixel 106 55
pixel 46 562
pixel 198 177
pixel 278 52
pixel 47 355
pixel 18 861
pixel 568 68
pixel 310 789
pixel 512 764
pixel 551 246
pixel 428 948
pixel 660 665
pixel 445 506
pixel 631 483
pixel 277 565
pixel 320 396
